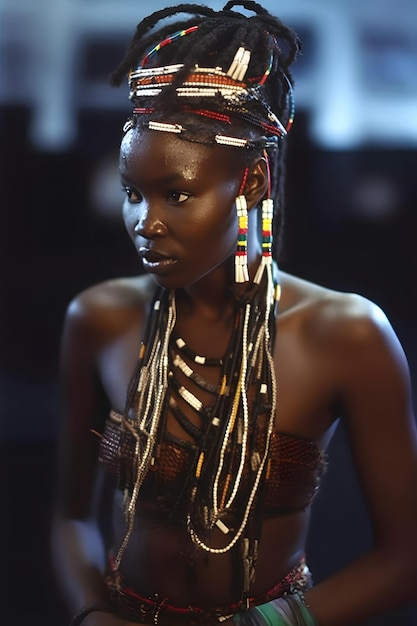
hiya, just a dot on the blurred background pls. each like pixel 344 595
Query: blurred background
pixel 351 225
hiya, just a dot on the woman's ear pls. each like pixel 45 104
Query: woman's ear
pixel 256 187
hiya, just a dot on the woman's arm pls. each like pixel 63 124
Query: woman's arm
pixel 375 392
pixel 77 545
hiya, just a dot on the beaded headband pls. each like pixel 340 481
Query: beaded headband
pixel 210 83
pixel 179 129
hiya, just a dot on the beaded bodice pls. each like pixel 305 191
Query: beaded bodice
pixel 296 465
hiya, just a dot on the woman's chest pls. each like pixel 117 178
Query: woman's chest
pixel 305 379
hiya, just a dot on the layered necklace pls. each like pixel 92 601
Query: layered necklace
pixel 232 431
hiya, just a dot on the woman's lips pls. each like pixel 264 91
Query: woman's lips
pixel 154 261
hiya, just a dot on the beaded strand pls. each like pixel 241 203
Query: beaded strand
pixel 168 40
pixel 241 255
pixel 152 384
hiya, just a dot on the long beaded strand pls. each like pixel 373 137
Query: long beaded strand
pixel 239 396
pixel 152 384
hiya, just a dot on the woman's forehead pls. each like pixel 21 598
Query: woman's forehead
pixel 148 149
pixel 164 146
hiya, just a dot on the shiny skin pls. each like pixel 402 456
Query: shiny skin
pixel 179 203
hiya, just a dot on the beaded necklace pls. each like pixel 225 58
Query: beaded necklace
pixel 225 483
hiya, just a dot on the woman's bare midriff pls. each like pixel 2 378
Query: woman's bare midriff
pixel 161 559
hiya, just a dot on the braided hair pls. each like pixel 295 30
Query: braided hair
pixel 214 44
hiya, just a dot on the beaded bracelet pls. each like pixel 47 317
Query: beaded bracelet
pixel 289 610
pixel 86 610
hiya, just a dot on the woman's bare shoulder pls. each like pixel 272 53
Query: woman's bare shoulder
pixel 343 318
pixel 115 293
pixel 110 306
pixel 349 338
pixel 299 294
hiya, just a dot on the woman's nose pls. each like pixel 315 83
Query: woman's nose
pixel 149 223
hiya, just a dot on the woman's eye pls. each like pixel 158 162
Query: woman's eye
pixel 132 195
pixel 178 196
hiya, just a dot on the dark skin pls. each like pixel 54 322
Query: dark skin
pixel 339 349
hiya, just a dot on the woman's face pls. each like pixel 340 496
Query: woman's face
pixel 179 207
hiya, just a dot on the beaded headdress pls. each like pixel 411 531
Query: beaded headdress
pixel 225 93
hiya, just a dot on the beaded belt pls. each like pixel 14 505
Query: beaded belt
pixel 131 606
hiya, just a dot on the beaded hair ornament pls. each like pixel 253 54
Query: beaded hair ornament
pixel 227 473
pixel 210 83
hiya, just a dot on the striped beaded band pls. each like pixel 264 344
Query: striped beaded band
pixel 165 42
pixel 241 255
pixel 267 217
pixel 225 140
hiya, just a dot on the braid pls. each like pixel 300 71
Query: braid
pixel 249 5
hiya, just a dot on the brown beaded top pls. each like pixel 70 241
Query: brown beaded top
pixel 293 476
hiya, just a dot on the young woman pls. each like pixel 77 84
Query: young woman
pixel 200 396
